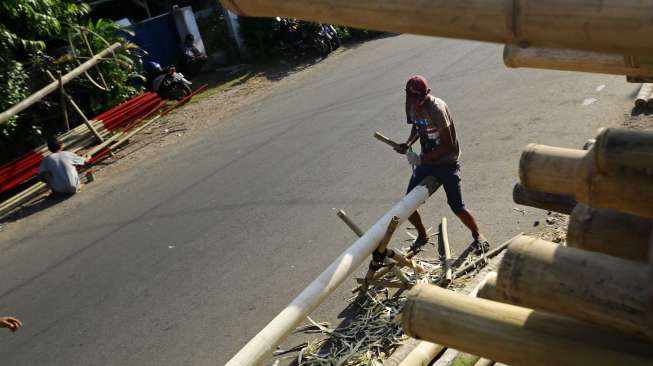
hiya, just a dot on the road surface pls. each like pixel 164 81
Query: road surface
pixel 183 260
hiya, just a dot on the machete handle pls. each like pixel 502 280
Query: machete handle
pixel 386 140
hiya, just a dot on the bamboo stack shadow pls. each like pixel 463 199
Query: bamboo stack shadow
pixel 587 303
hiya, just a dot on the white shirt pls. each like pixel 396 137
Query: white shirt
pixel 61 166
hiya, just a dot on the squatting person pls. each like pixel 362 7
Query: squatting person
pixel 58 170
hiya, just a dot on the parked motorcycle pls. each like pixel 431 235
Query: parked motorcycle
pixel 330 33
pixel 168 83
pixel 297 38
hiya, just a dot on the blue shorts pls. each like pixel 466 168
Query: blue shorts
pixel 448 176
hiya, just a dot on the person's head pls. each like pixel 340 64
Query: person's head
pixel 417 89
pixel 153 67
pixel 54 145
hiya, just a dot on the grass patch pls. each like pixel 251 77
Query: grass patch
pixel 465 359
pixel 236 79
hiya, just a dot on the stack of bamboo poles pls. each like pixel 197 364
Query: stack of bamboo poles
pixel 115 126
pixel 645 96
pixel 588 303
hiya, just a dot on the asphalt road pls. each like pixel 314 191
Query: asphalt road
pixel 192 254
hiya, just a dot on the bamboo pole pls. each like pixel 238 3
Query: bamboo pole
pixel 444 237
pixel 619 148
pixel 615 27
pixel 25 103
pixel 267 339
pixel 488 290
pixel 381 248
pixel 609 232
pixel 645 90
pixel 575 173
pixel 77 109
pixel 549 169
pixel 421 353
pixel 351 224
pixel 62 102
pixel 391 266
pixel 514 335
pixel 484 362
pixel 491 254
pixel 649 312
pixel 22 198
pixel 575 60
pixel 594 287
pixel 543 200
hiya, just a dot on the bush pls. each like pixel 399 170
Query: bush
pixel 260 36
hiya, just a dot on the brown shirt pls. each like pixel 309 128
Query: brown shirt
pixel 429 119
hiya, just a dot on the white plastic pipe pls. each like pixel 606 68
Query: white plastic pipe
pixel 264 343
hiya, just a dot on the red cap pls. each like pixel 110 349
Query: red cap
pixel 417 85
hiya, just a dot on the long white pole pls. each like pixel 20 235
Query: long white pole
pixel 262 345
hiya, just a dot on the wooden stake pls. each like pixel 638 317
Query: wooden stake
pixel 78 110
pixel 514 335
pixel 444 238
pixel 543 200
pixel 403 261
pixel 386 140
pixel 62 102
pixel 595 26
pixel 392 226
pixel 575 60
pixel 491 254
pixel 609 232
pixel 594 287
pixel 355 228
pixel 390 265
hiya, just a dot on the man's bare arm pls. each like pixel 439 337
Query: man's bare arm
pixel 403 148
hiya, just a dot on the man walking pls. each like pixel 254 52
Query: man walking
pixel 58 170
pixel 433 125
